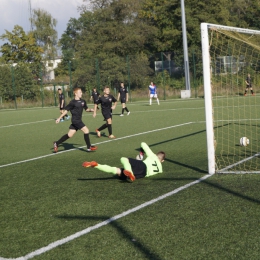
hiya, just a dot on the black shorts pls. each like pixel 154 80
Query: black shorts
pixel 123 100
pixel 138 168
pixel 77 125
pixel 61 108
pixel 107 114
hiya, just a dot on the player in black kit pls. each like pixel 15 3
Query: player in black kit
pixel 62 104
pixel 94 96
pixel 76 107
pixel 123 95
pixel 106 102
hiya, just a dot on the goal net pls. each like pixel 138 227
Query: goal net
pixel 231 75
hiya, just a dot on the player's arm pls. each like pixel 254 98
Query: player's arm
pixel 118 96
pixel 146 149
pixel 61 116
pixel 127 97
pixel 114 106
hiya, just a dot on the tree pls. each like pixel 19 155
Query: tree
pixel 44 32
pixel 21 47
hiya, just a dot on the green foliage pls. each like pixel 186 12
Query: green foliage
pixel 44 32
pixel 21 47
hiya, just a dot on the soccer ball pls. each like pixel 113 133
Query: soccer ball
pixel 244 141
pixel 139 157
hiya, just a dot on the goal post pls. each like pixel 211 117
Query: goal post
pixel 230 55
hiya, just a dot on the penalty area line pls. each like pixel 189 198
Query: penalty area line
pixel 104 223
pixel 110 140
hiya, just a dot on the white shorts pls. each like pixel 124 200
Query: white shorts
pixel 153 95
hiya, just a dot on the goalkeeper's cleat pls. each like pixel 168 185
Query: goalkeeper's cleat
pixel 112 137
pixel 98 133
pixel 90 164
pixel 55 147
pixel 92 148
pixel 129 174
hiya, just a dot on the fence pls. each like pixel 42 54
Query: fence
pixel 20 86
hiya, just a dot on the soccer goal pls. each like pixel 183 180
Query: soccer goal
pixel 231 72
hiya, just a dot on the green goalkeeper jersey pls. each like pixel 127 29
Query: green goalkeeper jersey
pixel 152 162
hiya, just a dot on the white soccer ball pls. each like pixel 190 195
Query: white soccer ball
pixel 244 141
pixel 139 157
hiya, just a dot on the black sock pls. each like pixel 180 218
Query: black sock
pixel 109 129
pixel 252 92
pixel 62 139
pixel 86 137
pixel 126 109
pixel 102 127
pixel 122 111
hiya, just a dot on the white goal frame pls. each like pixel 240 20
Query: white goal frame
pixel 207 87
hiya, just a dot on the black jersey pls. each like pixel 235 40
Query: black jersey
pixel 95 95
pixel 106 102
pixel 61 97
pixel 76 109
pixel 249 81
pixel 122 92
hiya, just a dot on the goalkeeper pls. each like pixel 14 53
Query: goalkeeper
pixel 132 168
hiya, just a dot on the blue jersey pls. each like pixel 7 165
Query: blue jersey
pixel 152 90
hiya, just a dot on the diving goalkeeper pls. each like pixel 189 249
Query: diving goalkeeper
pixel 133 168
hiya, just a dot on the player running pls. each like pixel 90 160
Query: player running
pixel 106 102
pixel 132 168
pixel 123 95
pixel 76 107
pixel 153 93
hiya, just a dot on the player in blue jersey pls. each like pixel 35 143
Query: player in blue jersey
pixel 153 93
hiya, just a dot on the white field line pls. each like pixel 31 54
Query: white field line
pixel 146 111
pixel 110 140
pixel 104 223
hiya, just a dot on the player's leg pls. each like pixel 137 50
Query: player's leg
pixel 246 91
pixel 63 139
pixel 252 92
pixel 102 167
pixel 123 107
pixel 127 168
pixel 109 127
pixel 85 130
pixel 61 111
pixel 151 97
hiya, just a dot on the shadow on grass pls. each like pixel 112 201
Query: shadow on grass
pixel 67 147
pixel 124 233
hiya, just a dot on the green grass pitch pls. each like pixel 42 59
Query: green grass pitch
pixel 47 199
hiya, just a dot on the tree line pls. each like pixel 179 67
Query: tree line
pixel 117 40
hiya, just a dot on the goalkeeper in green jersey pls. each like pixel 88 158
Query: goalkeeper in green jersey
pixel 133 168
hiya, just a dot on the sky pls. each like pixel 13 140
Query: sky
pixel 16 12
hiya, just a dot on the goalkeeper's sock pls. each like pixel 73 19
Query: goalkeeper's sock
pixel 62 139
pixel 126 164
pixel 106 168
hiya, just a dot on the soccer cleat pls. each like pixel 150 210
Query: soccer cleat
pixel 128 113
pixel 92 148
pixel 122 115
pixel 245 94
pixel 112 136
pixel 253 94
pixel 61 120
pixel 55 147
pixel 129 174
pixel 67 117
pixel 98 133
pixel 90 164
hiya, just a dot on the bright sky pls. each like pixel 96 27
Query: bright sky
pixel 16 12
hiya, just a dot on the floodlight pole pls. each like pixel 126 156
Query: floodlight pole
pixel 185 47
